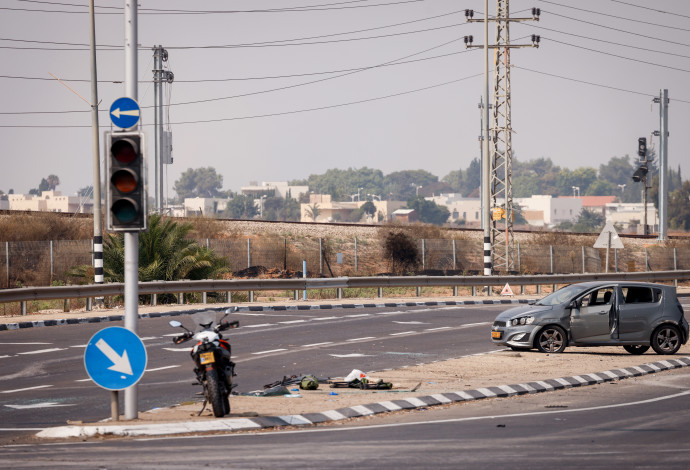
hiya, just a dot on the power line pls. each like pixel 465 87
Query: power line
pixel 153 11
pixel 607 42
pixel 610 28
pixel 650 8
pixel 615 16
pixel 618 56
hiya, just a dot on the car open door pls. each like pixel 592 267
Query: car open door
pixel 590 318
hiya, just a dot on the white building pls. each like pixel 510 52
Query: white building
pixel 628 214
pixel 460 208
pixel 554 210
pixel 206 206
pixel 49 201
pixel 279 189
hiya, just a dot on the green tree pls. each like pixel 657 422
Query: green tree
pixel 601 188
pixel 165 254
pixel 400 249
pixel 589 222
pixel 402 185
pixel 200 182
pixel 277 208
pixel 312 211
pixel 86 191
pixel 428 211
pixel 679 208
pixel 342 184
pixel 368 208
pixel 241 207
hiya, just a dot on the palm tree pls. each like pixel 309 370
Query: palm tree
pixel 165 254
pixel 312 211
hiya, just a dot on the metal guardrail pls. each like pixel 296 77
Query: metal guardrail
pixel 25 294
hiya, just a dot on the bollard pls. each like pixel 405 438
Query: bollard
pixel 203 297
pixel 89 304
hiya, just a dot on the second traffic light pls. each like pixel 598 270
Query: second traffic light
pixel 126 173
pixel 642 147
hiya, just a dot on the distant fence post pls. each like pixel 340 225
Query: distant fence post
pixel 52 262
pixel 355 256
pixel 320 257
pixel 249 253
pixel 553 287
pixel 423 255
pixel 454 258
pixel 284 254
pixel 584 263
pixel 304 275
pixel 675 266
pixel 7 264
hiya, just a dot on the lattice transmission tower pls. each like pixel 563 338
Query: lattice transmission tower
pixel 500 134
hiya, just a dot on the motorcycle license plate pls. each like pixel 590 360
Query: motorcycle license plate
pixel 206 358
pixel 496 334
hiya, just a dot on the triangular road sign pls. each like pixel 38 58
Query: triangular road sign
pixel 603 240
pixel 507 290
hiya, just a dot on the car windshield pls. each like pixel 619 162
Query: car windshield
pixel 562 295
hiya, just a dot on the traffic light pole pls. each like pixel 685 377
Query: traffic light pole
pixel 131 238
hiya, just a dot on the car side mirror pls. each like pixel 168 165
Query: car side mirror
pixel 573 304
pixel 531 302
pixel 174 323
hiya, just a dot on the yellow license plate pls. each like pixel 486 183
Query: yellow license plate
pixel 206 358
pixel 496 334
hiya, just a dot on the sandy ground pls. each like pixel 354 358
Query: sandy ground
pixel 467 373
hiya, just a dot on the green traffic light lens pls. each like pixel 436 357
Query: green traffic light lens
pixel 124 150
pixel 124 181
pixel 125 210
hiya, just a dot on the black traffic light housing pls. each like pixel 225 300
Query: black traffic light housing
pixel 640 173
pixel 126 181
pixel 642 147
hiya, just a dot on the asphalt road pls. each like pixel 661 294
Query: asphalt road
pixel 43 381
pixel 636 423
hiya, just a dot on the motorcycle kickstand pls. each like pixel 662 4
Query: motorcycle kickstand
pixel 203 407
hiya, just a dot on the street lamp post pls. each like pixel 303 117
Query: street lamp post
pixel 576 189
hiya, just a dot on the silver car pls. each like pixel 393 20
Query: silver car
pixel 634 315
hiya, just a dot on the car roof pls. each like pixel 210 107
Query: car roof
pixel 592 284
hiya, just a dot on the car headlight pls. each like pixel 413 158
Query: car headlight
pixel 522 321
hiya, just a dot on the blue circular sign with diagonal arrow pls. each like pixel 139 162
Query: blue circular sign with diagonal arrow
pixel 115 358
pixel 125 112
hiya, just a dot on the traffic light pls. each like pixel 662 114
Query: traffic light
pixel 642 147
pixel 640 173
pixel 126 173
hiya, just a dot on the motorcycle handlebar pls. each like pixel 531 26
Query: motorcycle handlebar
pixel 182 338
pixel 226 325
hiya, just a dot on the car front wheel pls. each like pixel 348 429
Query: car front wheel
pixel 636 349
pixel 666 339
pixel 551 339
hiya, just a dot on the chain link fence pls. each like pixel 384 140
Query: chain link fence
pixel 46 262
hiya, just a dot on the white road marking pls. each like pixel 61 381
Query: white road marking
pixel 25 389
pixel 270 351
pixel 178 349
pixel 147 338
pixel 41 351
pixel 402 333
pixel 351 355
pixel 359 315
pixel 439 328
pixel 161 368
pixel 291 321
pixel 324 318
pixel 47 404
pixel 316 344
pixel 361 339
pixel 259 325
pixel 23 343
pixel 410 322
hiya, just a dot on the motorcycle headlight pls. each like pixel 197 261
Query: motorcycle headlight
pixel 522 321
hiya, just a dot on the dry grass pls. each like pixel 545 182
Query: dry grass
pixel 43 227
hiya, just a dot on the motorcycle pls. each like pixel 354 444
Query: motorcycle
pixel 212 357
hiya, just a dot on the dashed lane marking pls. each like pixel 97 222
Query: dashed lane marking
pixel 317 344
pixel 269 351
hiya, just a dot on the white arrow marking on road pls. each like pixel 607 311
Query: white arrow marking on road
pixel 120 363
pixel 49 404
pixel 132 112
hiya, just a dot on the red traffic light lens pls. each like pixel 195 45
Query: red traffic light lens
pixel 124 151
pixel 124 180
pixel 125 210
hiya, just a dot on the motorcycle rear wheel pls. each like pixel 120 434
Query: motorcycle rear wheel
pixel 215 395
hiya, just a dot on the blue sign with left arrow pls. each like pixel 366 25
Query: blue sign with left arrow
pixel 125 112
pixel 115 358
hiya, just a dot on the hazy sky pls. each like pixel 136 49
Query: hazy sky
pixel 584 96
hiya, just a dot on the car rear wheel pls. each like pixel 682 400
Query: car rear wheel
pixel 636 349
pixel 551 339
pixel 666 339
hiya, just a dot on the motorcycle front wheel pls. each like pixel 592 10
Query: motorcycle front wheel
pixel 215 395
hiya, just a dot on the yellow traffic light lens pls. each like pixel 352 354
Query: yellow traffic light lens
pixel 124 181
pixel 124 151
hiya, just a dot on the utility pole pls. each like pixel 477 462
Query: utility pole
pixel 663 134
pixel 97 215
pixel 497 191
pixel 161 139
pixel 131 238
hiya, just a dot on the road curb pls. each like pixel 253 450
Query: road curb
pixel 245 424
pixel 258 308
